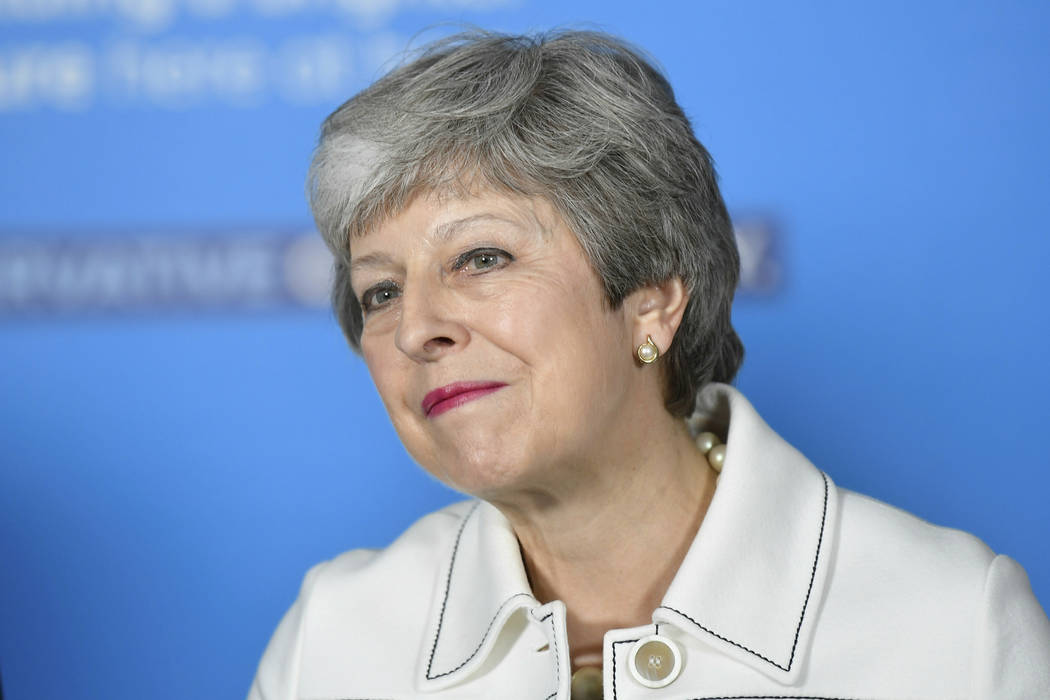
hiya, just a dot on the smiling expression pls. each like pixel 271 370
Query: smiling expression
pixel 487 336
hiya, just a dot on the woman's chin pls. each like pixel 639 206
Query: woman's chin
pixel 484 474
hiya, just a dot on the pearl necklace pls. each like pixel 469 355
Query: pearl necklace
pixel 587 684
pixel 587 680
pixel 713 449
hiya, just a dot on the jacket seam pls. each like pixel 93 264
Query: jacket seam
pixel 979 625
pixel 306 595
pixel 805 602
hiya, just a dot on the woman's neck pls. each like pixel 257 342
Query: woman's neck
pixel 609 540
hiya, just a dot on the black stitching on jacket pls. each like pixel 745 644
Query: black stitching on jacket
pixel 448 586
pixel 622 641
pixel 444 602
pixel 480 643
pixel 802 615
pixel 557 661
pixel 791 660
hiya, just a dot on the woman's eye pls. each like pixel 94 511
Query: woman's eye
pixel 485 260
pixel 482 260
pixel 379 296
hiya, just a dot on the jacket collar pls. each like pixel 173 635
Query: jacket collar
pixel 750 584
pixel 484 584
pixel 752 581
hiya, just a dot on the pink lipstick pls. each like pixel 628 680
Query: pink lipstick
pixel 450 396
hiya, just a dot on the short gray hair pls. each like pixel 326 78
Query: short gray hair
pixel 579 118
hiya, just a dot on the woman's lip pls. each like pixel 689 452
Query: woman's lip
pixel 451 395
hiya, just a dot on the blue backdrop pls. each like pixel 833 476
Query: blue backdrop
pixel 183 430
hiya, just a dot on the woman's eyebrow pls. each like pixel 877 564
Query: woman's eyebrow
pixel 444 232
pixel 376 259
pixel 449 229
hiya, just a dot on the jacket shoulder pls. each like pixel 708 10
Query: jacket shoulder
pixel 344 604
pixel 364 604
pixel 915 579
pixel 887 533
pixel 418 547
pixel 933 602
pixel 397 570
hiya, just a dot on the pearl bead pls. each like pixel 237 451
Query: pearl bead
pixel 705 441
pixel 646 353
pixel 717 457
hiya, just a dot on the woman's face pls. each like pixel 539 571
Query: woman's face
pixel 487 337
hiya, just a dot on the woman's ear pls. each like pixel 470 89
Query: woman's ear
pixel 656 310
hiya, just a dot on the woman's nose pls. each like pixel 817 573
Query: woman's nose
pixel 428 328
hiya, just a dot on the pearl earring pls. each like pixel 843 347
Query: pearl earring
pixel 647 351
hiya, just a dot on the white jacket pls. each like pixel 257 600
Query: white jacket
pixel 793 588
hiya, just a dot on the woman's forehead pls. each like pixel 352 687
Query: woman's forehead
pixel 438 216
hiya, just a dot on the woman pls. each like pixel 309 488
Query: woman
pixel 534 259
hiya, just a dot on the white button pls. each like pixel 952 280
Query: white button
pixel 655 661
